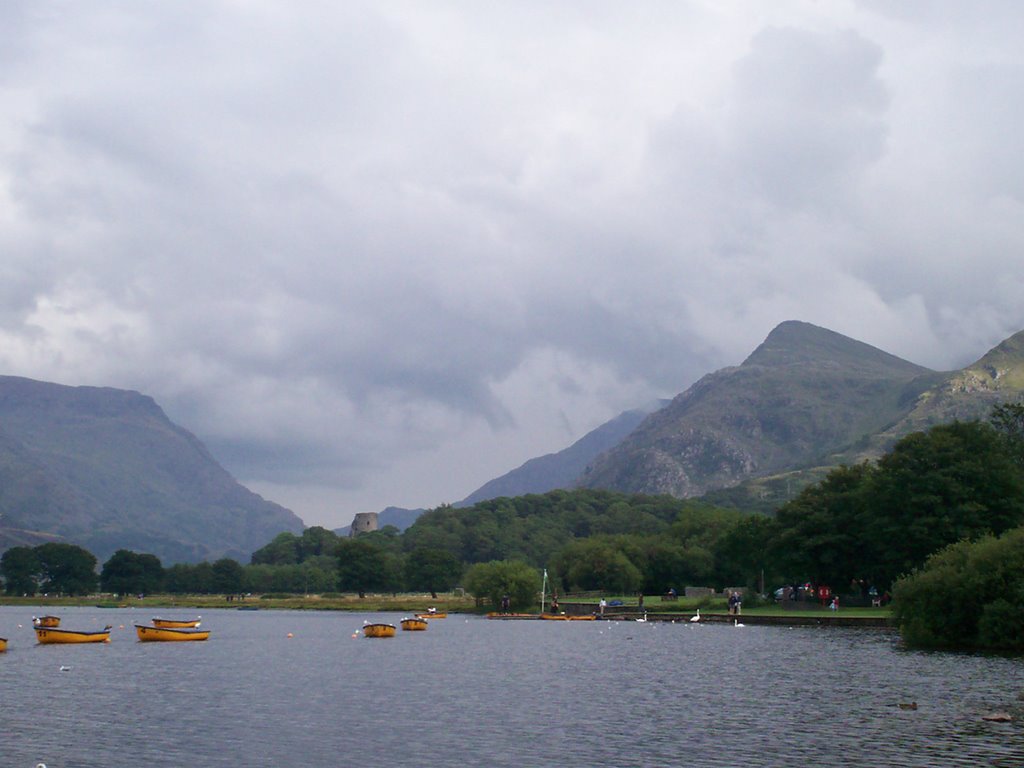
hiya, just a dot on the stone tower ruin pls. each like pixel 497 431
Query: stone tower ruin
pixel 363 522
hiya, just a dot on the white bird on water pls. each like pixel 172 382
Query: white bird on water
pixel 736 623
pixel 64 669
pixel 696 616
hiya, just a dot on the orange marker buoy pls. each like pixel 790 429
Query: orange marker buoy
pixel 290 635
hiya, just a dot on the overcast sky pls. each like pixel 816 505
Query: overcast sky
pixel 380 253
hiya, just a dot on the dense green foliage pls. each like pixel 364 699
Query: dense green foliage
pixel 130 573
pixel 50 569
pixel 875 522
pixel 508 578
pixel 969 595
pixel 66 569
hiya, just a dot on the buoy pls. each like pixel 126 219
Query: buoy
pixel 290 635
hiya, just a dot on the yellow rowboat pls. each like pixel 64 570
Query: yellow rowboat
pixel 378 630
pixel 46 621
pixel 591 617
pixel 3 644
pixel 169 634
pixel 177 623
pixel 429 615
pixel 414 625
pixel 53 635
pixel 554 617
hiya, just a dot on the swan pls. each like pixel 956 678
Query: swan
pixel 736 623
pixel 644 618
pixel 696 616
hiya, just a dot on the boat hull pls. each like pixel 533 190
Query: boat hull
pixel 169 634
pixel 46 621
pixel 176 623
pixel 414 625
pixel 3 644
pixel 431 615
pixel 55 636
pixel 379 630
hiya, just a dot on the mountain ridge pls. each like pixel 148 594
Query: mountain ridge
pixel 105 468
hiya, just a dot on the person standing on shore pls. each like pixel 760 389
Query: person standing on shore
pixel 601 605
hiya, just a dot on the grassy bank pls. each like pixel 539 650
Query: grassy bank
pixel 400 603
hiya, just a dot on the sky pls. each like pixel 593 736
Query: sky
pixel 379 253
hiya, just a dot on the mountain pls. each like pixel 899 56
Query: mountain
pixel 560 470
pixel 106 469
pixel 806 397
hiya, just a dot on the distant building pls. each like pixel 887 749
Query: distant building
pixel 363 522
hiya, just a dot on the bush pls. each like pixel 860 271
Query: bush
pixel 969 595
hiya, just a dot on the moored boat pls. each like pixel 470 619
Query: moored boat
pixel 177 623
pixel 55 635
pixel 3 644
pixel 434 615
pixel 554 617
pixel 169 634
pixel 379 630
pixel 414 625
pixel 46 621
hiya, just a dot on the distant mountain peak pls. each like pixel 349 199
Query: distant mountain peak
pixel 795 342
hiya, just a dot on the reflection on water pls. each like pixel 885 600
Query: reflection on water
pixel 472 692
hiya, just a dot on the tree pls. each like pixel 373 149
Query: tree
pixel 513 578
pixel 228 576
pixel 969 595
pixel 315 541
pixel 20 568
pixel 432 569
pixel 128 572
pixel 362 566
pixel 66 569
pixel 595 564
pixel 1008 421
pixel 821 535
pixel 955 481
pixel 282 550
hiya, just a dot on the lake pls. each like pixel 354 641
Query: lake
pixel 474 692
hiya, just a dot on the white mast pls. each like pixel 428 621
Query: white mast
pixel 543 590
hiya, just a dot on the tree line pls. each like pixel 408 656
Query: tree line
pixel 873 523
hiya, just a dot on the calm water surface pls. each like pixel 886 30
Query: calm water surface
pixel 473 692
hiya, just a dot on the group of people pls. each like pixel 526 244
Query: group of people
pixel 735 602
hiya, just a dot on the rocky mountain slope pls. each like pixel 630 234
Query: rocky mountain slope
pixel 806 398
pixel 106 469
